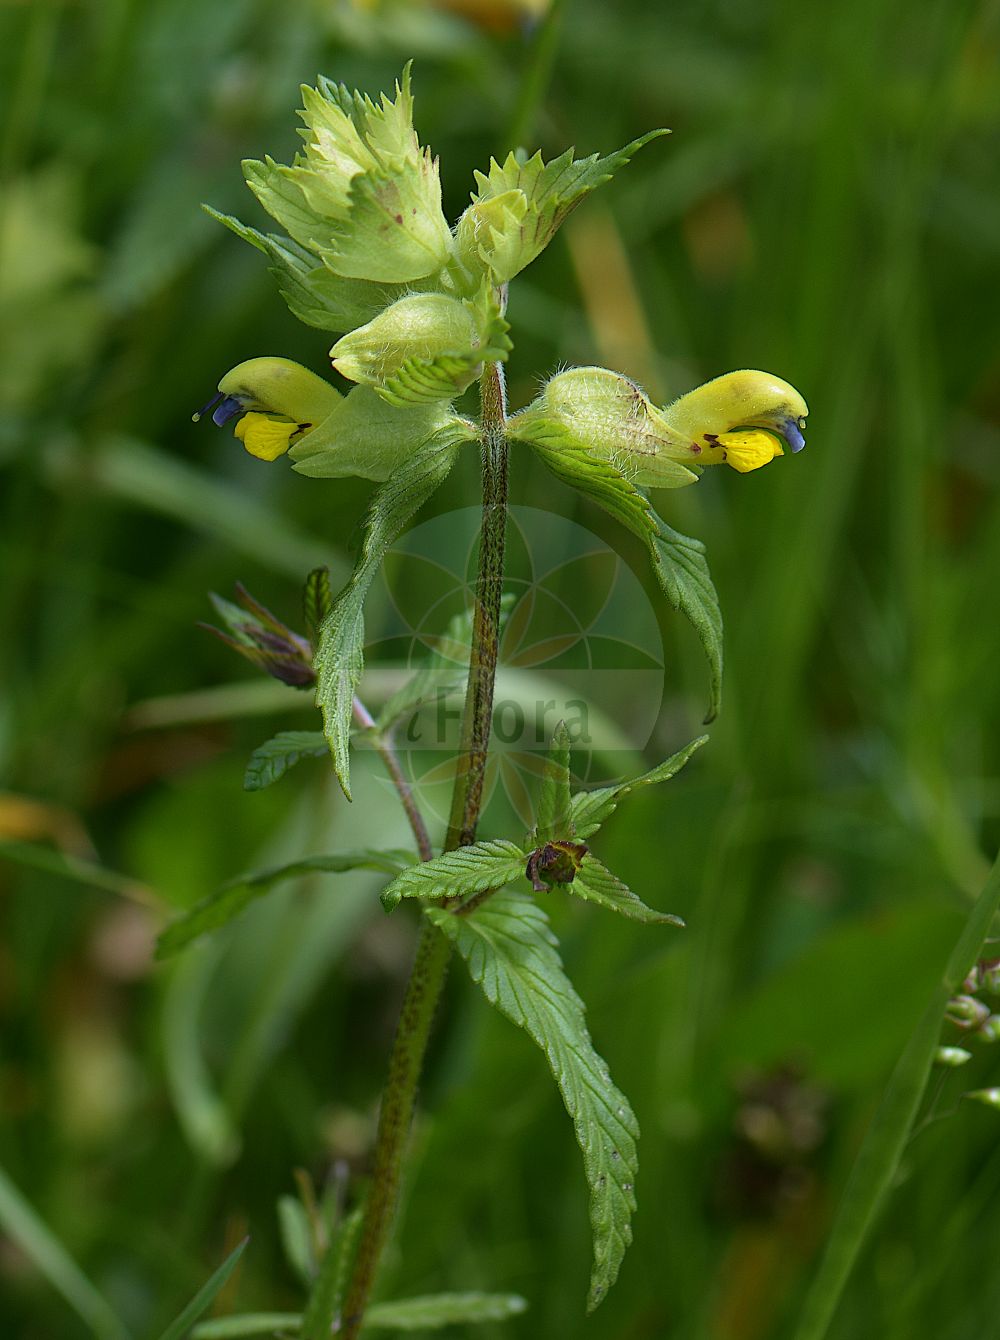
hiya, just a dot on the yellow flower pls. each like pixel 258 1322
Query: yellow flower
pixel 278 403
pixel 739 419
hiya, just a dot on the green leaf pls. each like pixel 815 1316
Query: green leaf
pixel 339 657
pixel 444 1309
pixel 221 907
pixel 512 954
pixel 877 1165
pixel 405 1314
pixel 316 601
pixel 554 818
pixel 247 1324
pixel 472 869
pixel 678 562
pixel 367 436
pixel 274 757
pixel 205 1296
pixel 23 1228
pixel 297 1238
pixel 595 883
pixel 682 570
pixel 284 198
pixel 331 1283
pixel 519 206
pixel 313 292
pixel 591 808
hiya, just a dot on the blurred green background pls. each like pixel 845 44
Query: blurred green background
pixel 826 208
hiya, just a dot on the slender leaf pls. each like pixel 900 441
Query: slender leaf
pixel 39 1244
pixel 512 954
pixel 274 757
pixel 220 907
pixel 406 1314
pixel 204 1117
pixel 205 1296
pixel 554 818
pixel 247 1324
pixel 472 869
pixel 320 1316
pixel 443 1309
pixel 877 1164
pixel 339 656
pixel 591 808
pixel 297 1238
pixel 595 883
pixel 678 561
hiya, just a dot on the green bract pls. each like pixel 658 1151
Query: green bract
pixel 364 196
pixel 606 415
pixel 423 348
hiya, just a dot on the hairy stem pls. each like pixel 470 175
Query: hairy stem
pixel 431 964
pixel 384 748
pixel 467 798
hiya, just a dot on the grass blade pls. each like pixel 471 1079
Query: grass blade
pixel 37 1242
pixel 205 1296
pixel 878 1160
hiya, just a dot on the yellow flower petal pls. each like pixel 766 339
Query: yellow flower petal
pixel 264 436
pixel 749 450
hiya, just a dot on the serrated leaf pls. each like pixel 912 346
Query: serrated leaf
pixel 274 757
pixel 554 818
pixel 678 561
pixel 320 1316
pixel 507 234
pixel 339 657
pixel 682 569
pixel 316 601
pixel 221 907
pixel 285 200
pixel 512 954
pixel 591 808
pixel 313 292
pixel 444 1309
pixel 595 883
pixel 471 869
pixel 205 1296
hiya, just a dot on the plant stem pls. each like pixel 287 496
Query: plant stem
pixel 430 966
pixel 467 798
pixel 385 750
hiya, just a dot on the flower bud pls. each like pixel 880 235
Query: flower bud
pixel 967 1012
pixel 951 1056
pixel 423 348
pixel 989 1097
